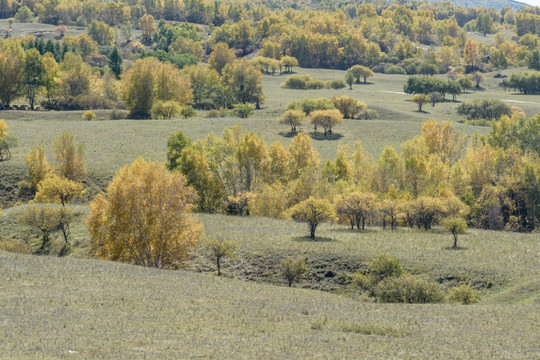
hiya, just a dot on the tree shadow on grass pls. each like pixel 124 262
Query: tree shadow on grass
pixel 288 134
pixel 354 231
pixel 458 248
pixel 309 239
pixel 320 136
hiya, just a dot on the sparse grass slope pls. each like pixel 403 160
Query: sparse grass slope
pixel 55 308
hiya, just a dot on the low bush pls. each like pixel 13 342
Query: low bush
pixel 408 289
pixel 118 114
pixel 303 82
pixel 336 84
pixel 89 116
pixel 165 109
pixel 395 69
pixel 463 294
pixel 243 110
pixel 367 114
pixel 217 113
pixel 188 112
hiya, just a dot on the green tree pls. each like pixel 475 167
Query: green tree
pixel 102 33
pixel 11 71
pixel 360 71
pixel 245 81
pixel 34 75
pixel 175 144
pixel 349 79
pixel 115 61
pixel 455 225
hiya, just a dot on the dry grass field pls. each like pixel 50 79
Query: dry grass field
pixel 64 308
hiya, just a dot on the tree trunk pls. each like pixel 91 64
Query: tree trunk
pixel 218 261
pixel 455 239
pixel 312 230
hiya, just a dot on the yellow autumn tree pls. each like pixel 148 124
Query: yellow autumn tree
pixel 54 189
pixel 471 53
pixel 3 130
pixel 325 119
pixel 38 166
pixel 144 217
pixel 303 156
pixel 69 157
pixel 313 211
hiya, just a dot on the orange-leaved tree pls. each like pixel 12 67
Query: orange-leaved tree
pixel 144 217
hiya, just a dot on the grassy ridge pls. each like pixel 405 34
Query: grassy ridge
pixel 502 265
pixel 92 309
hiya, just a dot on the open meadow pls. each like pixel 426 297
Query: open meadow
pixel 65 308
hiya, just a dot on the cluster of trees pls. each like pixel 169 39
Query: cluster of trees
pixel 60 184
pixel 69 84
pixel 493 184
pixel 436 88
pixel 487 109
pixel 325 113
pixel 75 83
pixel 376 35
pixel 527 82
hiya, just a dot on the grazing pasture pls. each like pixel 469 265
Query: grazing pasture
pixel 65 308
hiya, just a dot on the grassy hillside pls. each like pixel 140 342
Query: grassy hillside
pixel 503 265
pixel 70 308
pixel 111 144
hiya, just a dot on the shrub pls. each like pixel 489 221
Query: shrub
pixel 243 110
pixel 118 114
pixel 336 84
pixel 408 289
pixel 384 267
pixel 348 106
pixel 188 112
pixel 89 116
pixel 15 246
pixel 303 82
pixel 395 69
pixel 309 105
pixel 217 113
pixel 463 294
pixel 165 109
pixel 293 269
pixel 367 114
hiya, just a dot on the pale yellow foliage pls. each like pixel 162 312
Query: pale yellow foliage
pixel 144 217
